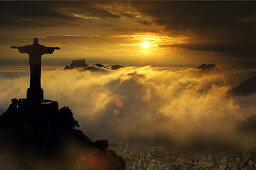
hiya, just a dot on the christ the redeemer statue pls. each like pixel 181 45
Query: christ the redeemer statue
pixel 35 51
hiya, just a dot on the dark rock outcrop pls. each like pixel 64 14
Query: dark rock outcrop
pixel 245 88
pixel 77 64
pixel 116 67
pixel 206 67
pixel 41 136
pixel 101 65
pixel 66 68
pixel 82 66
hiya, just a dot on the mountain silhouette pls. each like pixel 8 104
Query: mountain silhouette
pixel 81 65
pixel 76 64
pixel 206 67
pixel 247 87
pixel 44 137
pixel 116 67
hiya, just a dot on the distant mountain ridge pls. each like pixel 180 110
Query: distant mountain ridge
pixel 247 87
pixel 206 67
pixel 81 64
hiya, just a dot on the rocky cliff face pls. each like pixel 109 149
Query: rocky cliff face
pixel 41 136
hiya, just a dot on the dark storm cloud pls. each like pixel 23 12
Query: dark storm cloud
pixel 182 16
pixel 226 27
pixel 230 25
pixel 145 22
pixel 87 8
pixel 38 14
pixel 22 14
pixel 236 50
pixel 64 39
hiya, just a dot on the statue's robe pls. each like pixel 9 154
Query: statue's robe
pixel 35 52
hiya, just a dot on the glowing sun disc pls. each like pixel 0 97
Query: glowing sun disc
pixel 145 44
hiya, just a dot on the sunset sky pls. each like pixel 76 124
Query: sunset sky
pixel 142 100
pixel 131 33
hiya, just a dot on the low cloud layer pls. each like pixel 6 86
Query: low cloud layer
pixel 173 105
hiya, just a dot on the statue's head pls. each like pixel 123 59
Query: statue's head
pixel 35 41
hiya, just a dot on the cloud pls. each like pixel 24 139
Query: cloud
pixel 226 27
pixel 144 22
pixel 63 39
pixel 212 26
pixel 232 49
pixel 90 8
pixel 50 14
pixel 146 104
pixel 247 19
pixel 35 14
pixel 131 14
pixel 230 31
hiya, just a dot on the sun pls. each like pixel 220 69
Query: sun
pixel 145 44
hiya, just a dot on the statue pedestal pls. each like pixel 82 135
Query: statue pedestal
pixel 35 95
pixel 45 105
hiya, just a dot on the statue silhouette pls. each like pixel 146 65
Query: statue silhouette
pixel 35 51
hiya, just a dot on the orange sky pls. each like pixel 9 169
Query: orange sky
pixel 114 32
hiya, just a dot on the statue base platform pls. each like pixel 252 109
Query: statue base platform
pixel 45 105
pixel 35 95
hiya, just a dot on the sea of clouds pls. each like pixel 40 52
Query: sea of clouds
pixel 170 105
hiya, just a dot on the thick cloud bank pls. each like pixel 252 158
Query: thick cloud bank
pixel 171 105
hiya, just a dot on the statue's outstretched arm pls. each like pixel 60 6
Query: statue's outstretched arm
pixel 22 49
pixel 49 50
pixel 14 47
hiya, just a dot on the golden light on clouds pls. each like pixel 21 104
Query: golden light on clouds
pixel 149 44
pixel 146 48
pixel 106 33
pixel 151 39
pixel 124 32
pixel 85 17
pixel 141 47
